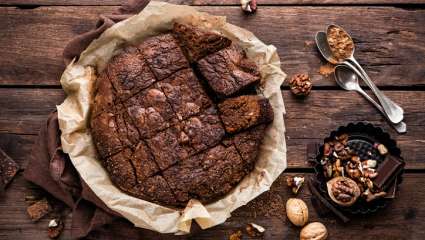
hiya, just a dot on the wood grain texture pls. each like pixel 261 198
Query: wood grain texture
pixel 307 121
pixel 400 220
pixel 32 40
pixel 213 2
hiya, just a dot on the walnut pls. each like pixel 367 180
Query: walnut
pixel 300 85
pixel 314 231
pixel 343 191
pixel 297 211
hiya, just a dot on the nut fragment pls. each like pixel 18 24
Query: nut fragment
pixel 55 228
pixel 295 183
pixel 340 43
pixel 300 85
pixel 39 209
pixel 382 149
pixel 297 211
pixel 254 230
pixel 343 191
pixel 249 6
pixel 236 235
pixel 314 231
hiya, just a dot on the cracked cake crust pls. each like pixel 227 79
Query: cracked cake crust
pixel 156 124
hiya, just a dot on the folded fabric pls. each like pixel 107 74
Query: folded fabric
pixel 51 169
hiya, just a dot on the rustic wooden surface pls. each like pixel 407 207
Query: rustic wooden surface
pixel 390 44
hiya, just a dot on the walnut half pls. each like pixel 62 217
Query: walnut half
pixel 343 191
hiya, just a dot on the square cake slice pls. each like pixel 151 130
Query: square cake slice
pixel 169 146
pixel 185 94
pixel 163 55
pixel 245 111
pixel 143 162
pixel 228 71
pixel 104 130
pixel 129 73
pixel 150 111
pixel 248 144
pixel 207 175
pixel 105 98
pixel 204 130
pixel 198 43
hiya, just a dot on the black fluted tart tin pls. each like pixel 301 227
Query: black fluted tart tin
pixel 361 139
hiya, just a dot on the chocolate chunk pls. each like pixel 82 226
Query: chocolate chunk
pixel 8 169
pixel 38 210
pixel 243 112
pixel 387 171
pixel 229 71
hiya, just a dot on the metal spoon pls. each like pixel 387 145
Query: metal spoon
pixel 394 111
pixel 347 79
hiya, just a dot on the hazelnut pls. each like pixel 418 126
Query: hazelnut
pixel 314 231
pixel 300 85
pixel 297 211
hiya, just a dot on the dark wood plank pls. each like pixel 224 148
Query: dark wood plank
pixel 211 2
pixel 31 41
pixel 400 220
pixel 307 121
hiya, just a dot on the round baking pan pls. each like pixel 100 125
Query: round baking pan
pixel 361 139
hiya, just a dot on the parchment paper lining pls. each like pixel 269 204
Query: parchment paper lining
pixel 78 81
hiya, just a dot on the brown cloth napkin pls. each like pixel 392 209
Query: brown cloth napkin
pixel 51 169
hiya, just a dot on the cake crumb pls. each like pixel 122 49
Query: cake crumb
pixel 327 69
pixel 236 235
pixel 38 210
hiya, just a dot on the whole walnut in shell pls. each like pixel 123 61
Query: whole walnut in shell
pixel 297 211
pixel 314 231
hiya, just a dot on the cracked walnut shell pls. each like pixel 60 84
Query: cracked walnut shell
pixel 314 231
pixel 343 191
pixel 300 85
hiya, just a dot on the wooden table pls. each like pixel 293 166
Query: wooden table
pixel 390 45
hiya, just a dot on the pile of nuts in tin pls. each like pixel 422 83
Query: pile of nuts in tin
pixel 349 177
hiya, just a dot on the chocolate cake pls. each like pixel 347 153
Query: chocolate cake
pixel 158 127
pixel 243 112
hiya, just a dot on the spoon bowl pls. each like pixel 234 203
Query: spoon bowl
pixel 347 79
pixel 328 30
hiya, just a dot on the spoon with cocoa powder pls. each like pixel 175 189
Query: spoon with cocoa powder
pixel 341 47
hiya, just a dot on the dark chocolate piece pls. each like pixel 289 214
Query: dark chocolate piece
pixel 387 171
pixel 8 169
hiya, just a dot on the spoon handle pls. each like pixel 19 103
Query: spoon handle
pixel 399 127
pixel 394 111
